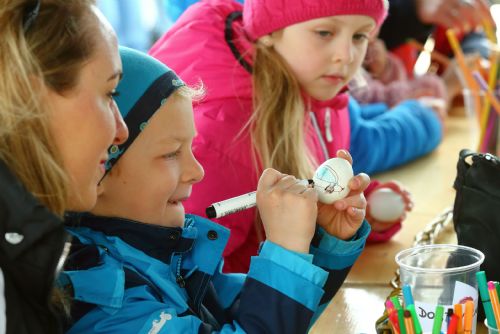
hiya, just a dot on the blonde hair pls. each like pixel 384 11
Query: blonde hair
pixel 195 93
pixel 277 123
pixel 49 54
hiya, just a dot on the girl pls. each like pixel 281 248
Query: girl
pixel 275 73
pixel 57 118
pixel 140 265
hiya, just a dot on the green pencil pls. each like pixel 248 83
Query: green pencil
pixel 401 320
pixel 485 298
pixel 438 320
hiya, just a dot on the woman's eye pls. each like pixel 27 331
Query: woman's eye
pixel 113 94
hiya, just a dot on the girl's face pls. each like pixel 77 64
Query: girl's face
pixel 85 121
pixel 156 173
pixel 324 54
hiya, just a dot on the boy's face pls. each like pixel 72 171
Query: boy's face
pixel 155 175
pixel 324 54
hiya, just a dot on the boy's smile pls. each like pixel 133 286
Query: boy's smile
pixel 155 175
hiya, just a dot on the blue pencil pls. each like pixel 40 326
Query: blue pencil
pixel 407 295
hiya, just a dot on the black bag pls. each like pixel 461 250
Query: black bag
pixel 476 212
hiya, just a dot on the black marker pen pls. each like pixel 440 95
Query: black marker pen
pixel 239 203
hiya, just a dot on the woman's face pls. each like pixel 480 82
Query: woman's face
pixel 85 120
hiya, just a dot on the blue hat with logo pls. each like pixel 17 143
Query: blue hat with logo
pixel 145 86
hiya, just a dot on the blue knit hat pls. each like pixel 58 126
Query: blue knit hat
pixel 144 88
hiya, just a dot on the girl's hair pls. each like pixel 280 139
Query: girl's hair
pixel 277 123
pixel 48 54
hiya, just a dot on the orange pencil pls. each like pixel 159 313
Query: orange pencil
pixel 409 323
pixel 468 316
pixel 494 301
pixel 469 80
pixel 459 55
pixel 458 311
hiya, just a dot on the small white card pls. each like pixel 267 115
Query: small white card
pixel 462 293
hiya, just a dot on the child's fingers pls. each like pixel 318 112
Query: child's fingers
pixel 357 201
pixel 286 182
pixel 356 213
pixel 311 194
pixel 297 188
pixel 359 183
pixel 269 178
pixel 344 155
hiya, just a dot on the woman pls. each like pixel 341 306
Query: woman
pixel 57 119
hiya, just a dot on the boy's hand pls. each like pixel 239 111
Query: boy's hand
pixel 288 210
pixel 344 217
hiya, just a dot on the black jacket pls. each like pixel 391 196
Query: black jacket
pixel 31 243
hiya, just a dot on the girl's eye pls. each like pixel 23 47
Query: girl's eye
pixel 324 33
pixel 172 155
pixel 360 37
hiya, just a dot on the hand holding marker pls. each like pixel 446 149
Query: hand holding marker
pixel 330 182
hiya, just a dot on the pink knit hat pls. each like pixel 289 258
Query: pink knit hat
pixel 262 17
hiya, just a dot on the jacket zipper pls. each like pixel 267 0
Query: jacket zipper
pixel 314 122
pixel 328 125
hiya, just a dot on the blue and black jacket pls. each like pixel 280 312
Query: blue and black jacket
pixel 129 277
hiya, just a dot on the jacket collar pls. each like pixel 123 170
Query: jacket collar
pixel 26 223
pixel 156 241
pixel 338 102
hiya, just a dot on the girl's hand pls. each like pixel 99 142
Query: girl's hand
pixel 395 186
pixel 288 210
pixel 376 58
pixel 437 105
pixel 344 217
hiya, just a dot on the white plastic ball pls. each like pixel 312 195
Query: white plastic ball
pixel 331 180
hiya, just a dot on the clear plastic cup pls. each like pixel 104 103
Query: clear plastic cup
pixel 440 275
pixel 491 330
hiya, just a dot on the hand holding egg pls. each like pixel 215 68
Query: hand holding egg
pixel 342 205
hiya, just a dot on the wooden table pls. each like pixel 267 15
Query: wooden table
pixel 360 302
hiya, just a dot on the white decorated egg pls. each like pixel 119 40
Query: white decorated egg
pixel 331 180
pixel 386 205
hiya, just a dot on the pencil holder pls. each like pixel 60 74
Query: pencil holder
pixel 440 275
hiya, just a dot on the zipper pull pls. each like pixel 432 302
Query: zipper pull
pixel 180 281
pixel 328 124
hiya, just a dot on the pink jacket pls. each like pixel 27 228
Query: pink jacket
pixel 196 48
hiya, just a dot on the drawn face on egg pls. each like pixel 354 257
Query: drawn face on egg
pixel 331 180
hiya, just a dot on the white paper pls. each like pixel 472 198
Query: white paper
pixel 462 293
